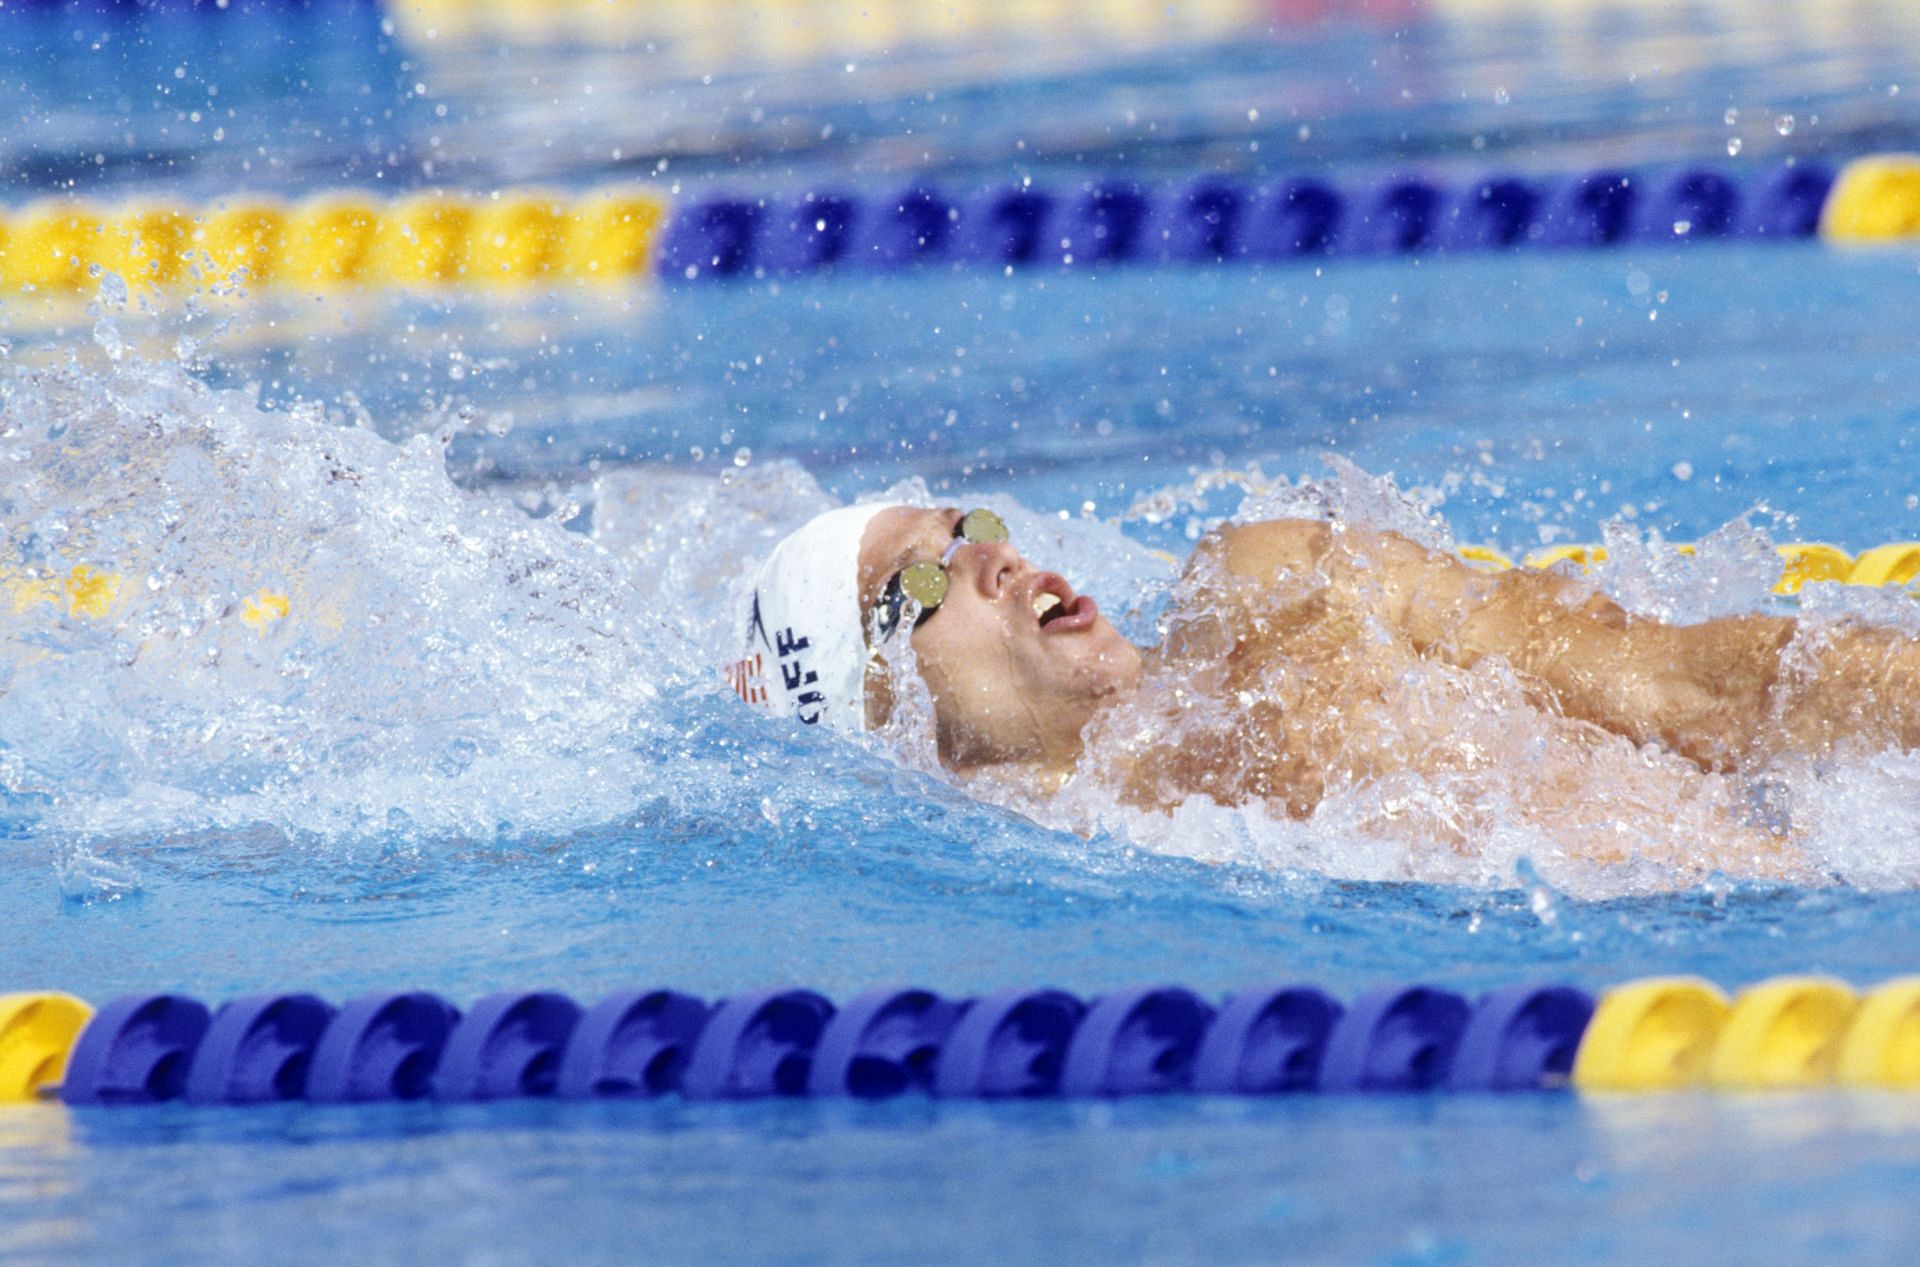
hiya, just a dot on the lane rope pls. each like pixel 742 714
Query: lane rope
pixel 519 239
pixel 1653 1034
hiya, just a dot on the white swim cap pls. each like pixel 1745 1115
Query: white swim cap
pixel 806 650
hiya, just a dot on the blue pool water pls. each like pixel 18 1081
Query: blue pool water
pixel 486 749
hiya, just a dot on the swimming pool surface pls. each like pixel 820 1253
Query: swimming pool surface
pixel 485 747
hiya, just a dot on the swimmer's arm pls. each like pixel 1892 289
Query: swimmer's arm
pixel 1266 551
pixel 1421 593
pixel 1703 690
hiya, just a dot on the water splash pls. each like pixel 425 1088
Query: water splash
pixel 228 620
pixel 216 615
pixel 1425 772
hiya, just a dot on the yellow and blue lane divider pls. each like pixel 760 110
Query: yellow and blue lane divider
pixel 94 592
pixel 1655 1034
pixel 517 239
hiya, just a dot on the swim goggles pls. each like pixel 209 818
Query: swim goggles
pixel 926 583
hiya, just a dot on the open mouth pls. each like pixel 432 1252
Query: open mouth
pixel 1057 608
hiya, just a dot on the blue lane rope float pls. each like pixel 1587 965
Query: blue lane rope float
pixel 380 1047
pixel 511 241
pixel 635 1043
pixel 1397 1038
pixel 1654 1034
pixel 1217 219
pixel 135 1050
pixel 1264 1042
pixel 507 1047
pixel 257 1050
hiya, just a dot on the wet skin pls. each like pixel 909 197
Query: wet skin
pixel 1726 693
pixel 1010 687
pixel 1350 609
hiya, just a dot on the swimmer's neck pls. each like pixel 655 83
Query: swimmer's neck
pixel 1049 764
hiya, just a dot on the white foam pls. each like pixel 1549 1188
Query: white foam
pixel 442 657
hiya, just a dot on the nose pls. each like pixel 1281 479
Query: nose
pixel 989 566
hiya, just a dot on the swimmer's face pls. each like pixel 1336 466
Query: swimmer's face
pixel 1016 662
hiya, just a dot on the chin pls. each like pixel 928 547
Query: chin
pixel 1106 664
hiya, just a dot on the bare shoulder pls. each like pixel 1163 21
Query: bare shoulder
pixel 1266 549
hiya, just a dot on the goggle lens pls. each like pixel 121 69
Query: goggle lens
pixel 925 583
pixel 982 525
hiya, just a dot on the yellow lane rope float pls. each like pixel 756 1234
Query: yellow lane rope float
pixel 510 240
pixel 1881 1048
pixel 1786 1033
pixel 1651 1035
pixel 1783 1033
pixel 1875 200
pixel 36 1033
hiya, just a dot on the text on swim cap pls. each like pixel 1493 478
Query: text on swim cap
pixel 794 674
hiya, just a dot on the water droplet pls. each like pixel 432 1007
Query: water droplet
pixel 1784 125
pixel 1731 117
pixel 1733 146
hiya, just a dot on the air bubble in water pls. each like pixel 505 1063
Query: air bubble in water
pixel 1731 117
pixel 1733 147
pixel 1784 125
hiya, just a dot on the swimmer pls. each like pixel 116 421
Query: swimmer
pixel 1287 669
